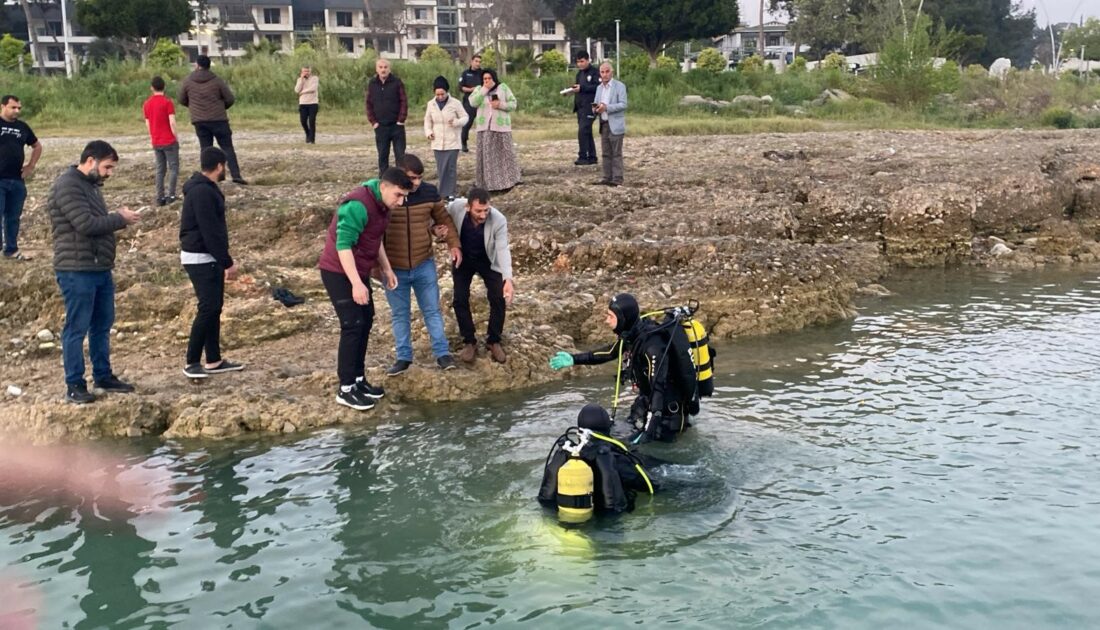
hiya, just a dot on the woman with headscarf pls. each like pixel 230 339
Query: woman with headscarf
pixel 497 167
pixel 443 122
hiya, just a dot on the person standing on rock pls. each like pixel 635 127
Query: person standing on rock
pixel 83 258
pixel 468 82
pixel 204 253
pixel 353 251
pixel 160 120
pixel 483 234
pixel 308 89
pixel 14 136
pixel 442 121
pixel 584 93
pixel 207 97
pixel 408 247
pixel 610 106
pixel 496 167
pixel 387 108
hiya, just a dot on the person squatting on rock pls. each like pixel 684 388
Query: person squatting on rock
pixel 308 89
pixel 160 120
pixel 207 97
pixel 589 471
pixel 387 108
pixel 443 119
pixel 83 257
pixel 483 233
pixel 14 136
pixel 584 93
pixel 351 255
pixel 204 253
pixel 469 81
pixel 610 107
pixel 408 246
pixel 657 358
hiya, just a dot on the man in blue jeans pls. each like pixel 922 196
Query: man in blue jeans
pixel 14 136
pixel 408 246
pixel 83 257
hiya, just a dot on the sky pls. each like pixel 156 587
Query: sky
pixel 1058 10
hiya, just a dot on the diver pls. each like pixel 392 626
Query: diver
pixel 658 357
pixel 588 471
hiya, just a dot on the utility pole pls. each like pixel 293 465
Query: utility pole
pixel 65 37
pixel 761 46
pixel 617 47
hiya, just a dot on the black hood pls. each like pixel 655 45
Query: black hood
pixel 198 179
pixel 626 311
pixel 594 418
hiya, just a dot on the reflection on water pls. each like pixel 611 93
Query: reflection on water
pixel 930 464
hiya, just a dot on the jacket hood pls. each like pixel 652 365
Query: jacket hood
pixel 202 75
pixel 594 418
pixel 375 186
pixel 626 312
pixel 198 179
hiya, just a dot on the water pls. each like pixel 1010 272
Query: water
pixel 931 464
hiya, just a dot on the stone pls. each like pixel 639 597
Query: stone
pixel 17 342
pixel 1000 249
pixel 693 99
pixel 44 335
pixel 767 99
pixel 49 345
pixel 746 100
pixel 15 390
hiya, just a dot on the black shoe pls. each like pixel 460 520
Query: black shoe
pixel 445 363
pixel 225 366
pixel 354 399
pixel 367 389
pixel 399 366
pixel 78 394
pixel 580 162
pixel 240 181
pixel 162 201
pixel 112 384
pixel 195 370
pixel 465 149
pixel 171 199
pixel 285 297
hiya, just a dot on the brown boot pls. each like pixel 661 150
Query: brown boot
pixel 497 353
pixel 468 353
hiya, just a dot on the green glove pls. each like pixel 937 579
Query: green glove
pixel 561 360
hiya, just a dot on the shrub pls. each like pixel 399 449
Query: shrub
pixel 1057 117
pixel 552 62
pixel 166 53
pixel 949 78
pixel 434 52
pixel 11 50
pixel 489 59
pixel 798 65
pixel 751 64
pixel 711 60
pixel 834 61
pixel 905 74
pixel 635 65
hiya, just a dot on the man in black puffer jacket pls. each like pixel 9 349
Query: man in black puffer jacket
pixel 83 257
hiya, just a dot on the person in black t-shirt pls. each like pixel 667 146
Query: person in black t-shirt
pixel 15 135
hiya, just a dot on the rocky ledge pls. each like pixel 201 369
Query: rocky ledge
pixel 769 232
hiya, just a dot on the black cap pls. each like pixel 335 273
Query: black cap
pixel 626 311
pixel 441 83
pixel 594 418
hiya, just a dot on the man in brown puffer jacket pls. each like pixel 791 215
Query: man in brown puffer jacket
pixel 207 97
pixel 408 245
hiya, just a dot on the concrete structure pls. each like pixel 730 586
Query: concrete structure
pixel 47 23
pixel 744 41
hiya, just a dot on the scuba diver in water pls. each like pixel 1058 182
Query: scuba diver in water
pixel 588 471
pixel 669 369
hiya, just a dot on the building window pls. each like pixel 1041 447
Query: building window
pixel 385 44
pixel 275 39
pixel 420 33
pixel 54 28
pixel 446 3
pixel 53 53
pixel 343 19
pixel 447 18
pixel 347 44
pixel 549 27
pixel 420 14
pixel 775 40
pixel 273 16
pixel 448 37
pixel 548 47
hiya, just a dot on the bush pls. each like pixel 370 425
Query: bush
pixel 665 62
pixel 489 59
pixel 635 65
pixel 435 52
pixel 834 61
pixel 949 78
pixel 798 65
pixel 552 62
pixel 905 74
pixel 751 64
pixel 166 53
pixel 711 60
pixel 1058 118
pixel 11 50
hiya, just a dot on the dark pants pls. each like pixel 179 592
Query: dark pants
pixel 355 325
pixel 307 114
pixel 471 113
pixel 168 163
pixel 586 142
pixel 89 312
pixel 220 131
pixel 612 154
pixel 13 192
pixel 209 282
pixel 494 288
pixel 384 136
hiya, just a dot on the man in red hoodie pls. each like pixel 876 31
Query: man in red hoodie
pixel 352 253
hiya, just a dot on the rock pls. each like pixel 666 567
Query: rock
pixel 212 431
pixel 767 99
pixel 288 427
pixel 693 99
pixel 746 100
pixel 999 69
pixel 44 335
pixel 1000 249
pixel 17 342
pixel 15 390
pixel 993 240
pixel 49 345
pixel 874 290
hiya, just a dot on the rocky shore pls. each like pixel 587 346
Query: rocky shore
pixel 770 233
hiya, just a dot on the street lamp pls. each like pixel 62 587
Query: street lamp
pixel 65 38
pixel 617 47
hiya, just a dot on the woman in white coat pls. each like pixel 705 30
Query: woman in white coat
pixel 443 122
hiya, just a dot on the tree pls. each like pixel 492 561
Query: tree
pixel 552 62
pixel 825 25
pixel 435 53
pixel 653 24
pixel 1087 37
pixel 11 53
pixel 136 24
pixel 1007 31
pixel 711 60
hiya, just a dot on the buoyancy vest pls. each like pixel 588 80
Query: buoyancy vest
pixel 616 475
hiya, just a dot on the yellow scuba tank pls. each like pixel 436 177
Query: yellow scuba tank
pixel 701 355
pixel 576 485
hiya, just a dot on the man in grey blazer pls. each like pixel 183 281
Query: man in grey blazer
pixel 483 233
pixel 610 106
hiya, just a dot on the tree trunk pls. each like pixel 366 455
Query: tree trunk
pixel 653 53
pixel 35 48
pixel 470 49
pixel 370 23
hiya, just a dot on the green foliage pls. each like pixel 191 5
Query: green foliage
pixel 265 48
pixel 1087 36
pixel 652 24
pixel 1057 117
pixel 905 74
pixel 798 65
pixel 635 65
pixel 520 59
pixel 166 53
pixel 553 62
pixel 834 61
pixel 435 53
pixel 711 60
pixel 664 62
pixel 132 20
pixel 823 24
pixel 751 65
pixel 949 79
pixel 489 59
pixel 11 50
pixel 304 52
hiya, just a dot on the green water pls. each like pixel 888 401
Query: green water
pixel 931 464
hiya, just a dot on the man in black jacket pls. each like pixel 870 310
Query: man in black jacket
pixel 387 107
pixel 83 257
pixel 204 252
pixel 468 82
pixel 584 94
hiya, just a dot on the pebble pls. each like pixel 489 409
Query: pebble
pixel 14 390
pixel 17 342
pixel 49 345
pixel 1000 249
pixel 44 335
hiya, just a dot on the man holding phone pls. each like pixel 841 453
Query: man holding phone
pixel 584 93
pixel 308 90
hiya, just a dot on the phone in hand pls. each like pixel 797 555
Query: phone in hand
pixel 494 97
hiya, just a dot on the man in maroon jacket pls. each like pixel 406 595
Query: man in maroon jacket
pixel 387 107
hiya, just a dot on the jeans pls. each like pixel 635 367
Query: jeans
pixel 168 159
pixel 586 143
pixel 89 312
pixel 307 115
pixel 423 280
pixel 384 136
pixel 355 324
pixel 208 279
pixel 13 192
pixel 612 146
pixel 219 130
pixel 446 164
pixel 494 289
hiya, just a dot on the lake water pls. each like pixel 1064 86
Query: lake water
pixel 932 463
